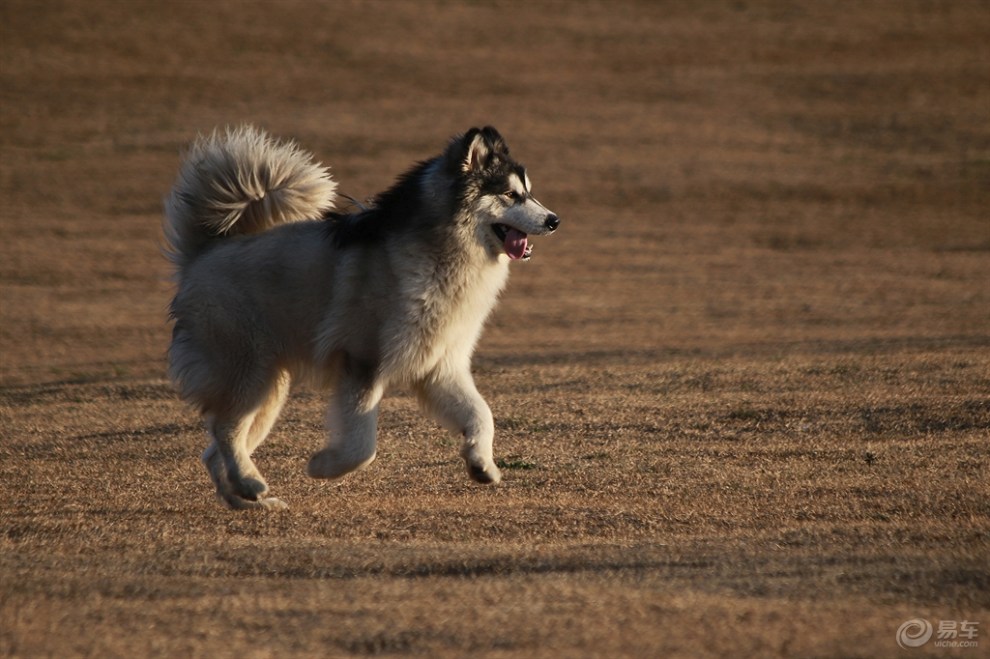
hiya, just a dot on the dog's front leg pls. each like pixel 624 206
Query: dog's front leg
pixel 352 423
pixel 453 400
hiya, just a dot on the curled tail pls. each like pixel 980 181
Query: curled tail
pixel 241 181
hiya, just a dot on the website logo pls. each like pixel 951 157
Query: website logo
pixel 914 633
pixel 950 634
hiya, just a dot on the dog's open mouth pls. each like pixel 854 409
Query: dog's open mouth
pixel 514 242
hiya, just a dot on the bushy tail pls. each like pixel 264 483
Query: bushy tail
pixel 241 181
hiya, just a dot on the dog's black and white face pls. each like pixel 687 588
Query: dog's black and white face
pixel 499 194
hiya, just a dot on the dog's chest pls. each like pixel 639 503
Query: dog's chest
pixel 444 316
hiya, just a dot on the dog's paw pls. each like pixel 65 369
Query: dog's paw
pixel 252 488
pixel 267 503
pixel 249 494
pixel 488 474
pixel 273 503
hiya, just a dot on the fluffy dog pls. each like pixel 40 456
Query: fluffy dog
pixel 272 285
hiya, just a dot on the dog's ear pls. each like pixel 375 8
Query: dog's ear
pixel 477 151
pixel 477 147
pixel 495 141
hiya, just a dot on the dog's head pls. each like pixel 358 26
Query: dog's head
pixel 498 194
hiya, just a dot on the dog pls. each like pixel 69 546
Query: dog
pixel 274 285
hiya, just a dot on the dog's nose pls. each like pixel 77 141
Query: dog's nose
pixel 552 222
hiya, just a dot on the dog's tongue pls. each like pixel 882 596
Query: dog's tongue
pixel 515 243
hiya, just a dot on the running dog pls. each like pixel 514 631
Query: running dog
pixel 274 285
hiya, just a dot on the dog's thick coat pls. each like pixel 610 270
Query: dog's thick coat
pixel 272 285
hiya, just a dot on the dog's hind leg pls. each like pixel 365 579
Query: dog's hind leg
pixel 452 399
pixel 213 462
pixel 261 425
pixel 267 414
pixel 218 473
pixel 228 457
pixel 352 422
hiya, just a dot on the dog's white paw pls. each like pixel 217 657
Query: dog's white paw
pixel 488 473
pixel 273 503
pixel 267 503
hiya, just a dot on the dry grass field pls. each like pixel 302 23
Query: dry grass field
pixel 742 396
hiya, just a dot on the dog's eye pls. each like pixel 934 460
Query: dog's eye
pixel 512 195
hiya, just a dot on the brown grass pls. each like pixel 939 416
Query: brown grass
pixel 742 397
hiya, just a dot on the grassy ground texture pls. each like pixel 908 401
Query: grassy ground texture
pixel 742 396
